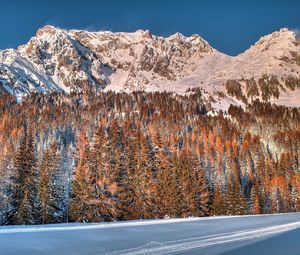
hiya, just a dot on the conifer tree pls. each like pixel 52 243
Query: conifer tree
pixel 255 207
pixel 218 203
pixel 234 200
pixel 80 203
pixel 202 195
pixel 25 197
pixel 50 191
pixel 166 171
pixel 6 185
pixel 101 177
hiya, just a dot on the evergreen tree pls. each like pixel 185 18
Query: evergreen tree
pixel 26 175
pixel 50 191
pixel 101 179
pixel 218 203
pixel 234 201
pixel 255 207
pixel 80 203
pixel 6 185
pixel 201 195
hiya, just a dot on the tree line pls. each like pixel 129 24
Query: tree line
pixel 115 156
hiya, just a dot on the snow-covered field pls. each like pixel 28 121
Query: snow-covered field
pixel 268 234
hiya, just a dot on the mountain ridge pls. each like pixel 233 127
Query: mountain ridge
pixel 60 60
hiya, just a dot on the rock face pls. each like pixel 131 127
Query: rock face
pixel 139 59
pixel 57 59
pixel 75 60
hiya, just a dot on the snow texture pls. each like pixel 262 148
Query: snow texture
pixel 213 235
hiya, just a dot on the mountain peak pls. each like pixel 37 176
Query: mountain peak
pixel 283 34
pixel 71 60
pixel 284 30
pixel 275 44
pixel 46 38
pixel 177 36
pixel 47 29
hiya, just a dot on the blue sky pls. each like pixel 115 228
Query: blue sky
pixel 230 26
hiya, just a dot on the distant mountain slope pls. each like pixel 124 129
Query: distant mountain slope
pixel 74 60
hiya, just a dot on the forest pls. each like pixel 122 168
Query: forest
pixel 106 156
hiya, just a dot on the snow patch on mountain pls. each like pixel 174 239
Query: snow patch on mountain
pixel 59 60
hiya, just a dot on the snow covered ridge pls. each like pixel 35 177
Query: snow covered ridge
pixel 76 60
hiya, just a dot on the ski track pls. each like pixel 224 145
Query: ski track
pixel 156 248
pixel 92 226
pixel 167 247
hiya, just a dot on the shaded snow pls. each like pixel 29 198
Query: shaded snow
pixel 168 236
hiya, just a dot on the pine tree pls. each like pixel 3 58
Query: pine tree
pixel 235 202
pixel 166 172
pixel 80 201
pixel 255 207
pixel 201 196
pixel 133 198
pixel 101 179
pixel 143 177
pixel 6 185
pixel 26 175
pixel 218 203
pixel 50 191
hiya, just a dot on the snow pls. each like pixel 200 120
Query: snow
pixel 288 98
pixel 192 63
pixel 211 235
pixel 213 70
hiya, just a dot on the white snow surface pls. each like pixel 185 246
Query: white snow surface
pixel 212 235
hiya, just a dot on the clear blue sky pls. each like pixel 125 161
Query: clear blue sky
pixel 228 25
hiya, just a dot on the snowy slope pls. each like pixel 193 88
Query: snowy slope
pixel 277 54
pixel 213 235
pixel 75 60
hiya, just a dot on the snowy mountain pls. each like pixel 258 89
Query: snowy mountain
pixel 74 60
